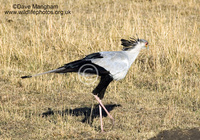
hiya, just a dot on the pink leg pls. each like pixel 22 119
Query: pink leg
pixel 97 98
pixel 100 112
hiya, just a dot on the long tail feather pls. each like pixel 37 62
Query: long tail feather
pixel 51 71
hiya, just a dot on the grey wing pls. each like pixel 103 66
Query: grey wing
pixel 115 62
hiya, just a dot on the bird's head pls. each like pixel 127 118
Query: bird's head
pixel 134 43
pixel 143 43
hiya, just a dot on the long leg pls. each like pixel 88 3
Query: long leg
pixel 100 112
pixel 97 98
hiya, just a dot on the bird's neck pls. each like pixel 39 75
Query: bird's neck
pixel 132 55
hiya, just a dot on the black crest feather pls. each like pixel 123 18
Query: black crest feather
pixel 129 44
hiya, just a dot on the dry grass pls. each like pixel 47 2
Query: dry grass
pixel 160 92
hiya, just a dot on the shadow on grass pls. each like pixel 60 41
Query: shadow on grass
pixel 89 113
pixel 178 134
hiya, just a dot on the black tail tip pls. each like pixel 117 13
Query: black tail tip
pixel 23 77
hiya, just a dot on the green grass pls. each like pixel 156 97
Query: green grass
pixel 160 92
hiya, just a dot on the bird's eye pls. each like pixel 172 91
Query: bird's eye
pixel 146 43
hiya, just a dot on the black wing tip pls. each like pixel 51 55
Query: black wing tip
pixel 23 77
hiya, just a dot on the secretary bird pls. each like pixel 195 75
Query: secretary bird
pixel 109 65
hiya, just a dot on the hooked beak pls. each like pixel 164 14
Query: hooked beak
pixel 147 47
